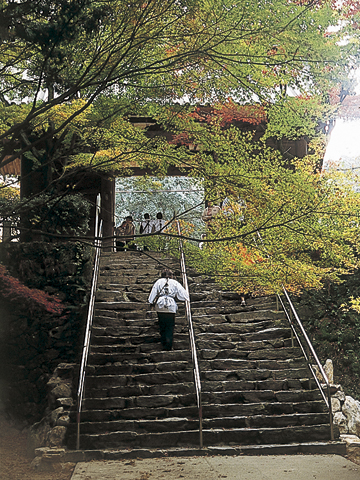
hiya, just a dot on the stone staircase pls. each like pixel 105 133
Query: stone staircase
pixel 255 385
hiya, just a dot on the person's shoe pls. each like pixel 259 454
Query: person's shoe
pixel 243 304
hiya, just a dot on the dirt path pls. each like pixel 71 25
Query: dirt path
pixel 14 462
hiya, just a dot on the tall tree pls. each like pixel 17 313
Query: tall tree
pixel 283 222
pixel 55 53
pixel 72 74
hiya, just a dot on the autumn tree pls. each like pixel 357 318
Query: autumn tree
pixel 282 222
pixel 59 59
pixel 73 73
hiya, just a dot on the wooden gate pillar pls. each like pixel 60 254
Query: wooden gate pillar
pixel 108 212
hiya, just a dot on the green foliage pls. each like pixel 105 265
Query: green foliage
pixel 178 197
pixel 9 190
pixel 297 117
pixel 281 225
pixel 68 214
pixel 72 73
pixel 335 329
pixel 53 214
pixel 63 269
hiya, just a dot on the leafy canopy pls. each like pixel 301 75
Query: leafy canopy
pixel 279 225
pixel 58 58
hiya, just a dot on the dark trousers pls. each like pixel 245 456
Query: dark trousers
pixel 166 327
pixel 121 246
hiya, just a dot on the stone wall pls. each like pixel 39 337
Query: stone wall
pixel 50 431
pixel 33 344
pixel 31 347
pixel 346 413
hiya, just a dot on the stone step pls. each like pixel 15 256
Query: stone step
pixel 141 401
pixel 142 379
pixel 120 306
pixel 263 408
pixel 147 280
pixel 140 316
pixel 253 374
pixel 252 353
pixel 135 288
pixel 211 411
pixel 267 384
pixel 253 396
pixel 137 369
pixel 125 332
pixel 123 271
pixel 132 255
pixel 178 424
pixel 145 413
pixel 242 436
pixel 140 426
pixel 112 296
pixel 154 345
pixel 181 340
pixel 244 341
pixel 98 391
pixel 267 334
pixel 110 386
pixel 112 319
pixel 136 358
pixel 117 454
pixel 235 353
pixel 224 326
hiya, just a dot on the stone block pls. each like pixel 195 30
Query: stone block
pixel 37 436
pixel 340 395
pixel 351 410
pixel 64 402
pixel 329 370
pixel 339 419
pixel 335 405
pixel 63 421
pixel 55 415
pixel 56 436
pixel 61 391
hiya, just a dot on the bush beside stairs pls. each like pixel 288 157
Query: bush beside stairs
pixel 257 394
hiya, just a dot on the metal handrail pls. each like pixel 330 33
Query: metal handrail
pixel 305 353
pixel 86 346
pixel 196 369
pixel 289 315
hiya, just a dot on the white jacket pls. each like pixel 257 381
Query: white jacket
pixel 147 226
pixel 168 293
pixel 158 225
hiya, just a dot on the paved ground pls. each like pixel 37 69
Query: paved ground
pixel 291 467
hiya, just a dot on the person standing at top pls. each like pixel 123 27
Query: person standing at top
pixel 159 223
pixel 210 211
pixel 146 225
pixel 162 296
pixel 127 231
